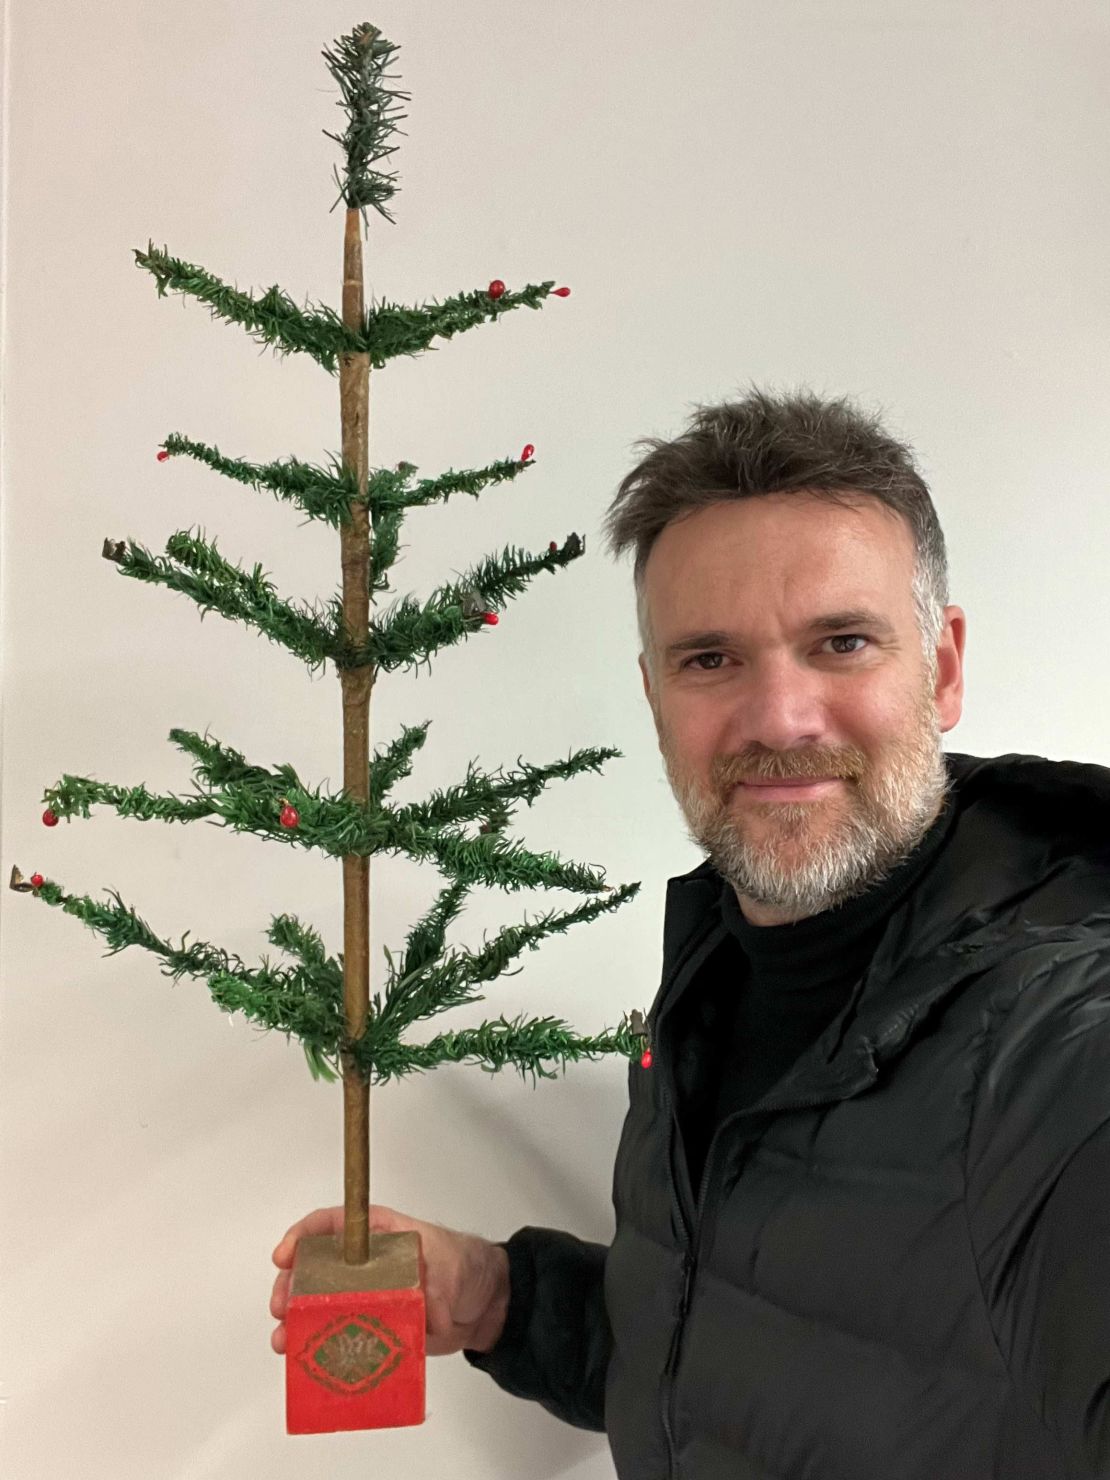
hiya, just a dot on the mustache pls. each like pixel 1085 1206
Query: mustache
pixel 734 771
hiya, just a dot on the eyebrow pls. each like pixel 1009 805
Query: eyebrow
pixel 830 622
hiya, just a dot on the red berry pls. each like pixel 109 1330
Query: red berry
pixel 290 817
pixel 528 452
pixel 163 455
pixel 491 619
pixel 561 292
pixel 50 818
pixel 496 288
pixel 37 881
pixel 553 548
pixel 646 1059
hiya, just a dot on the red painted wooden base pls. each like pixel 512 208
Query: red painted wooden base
pixel 354 1356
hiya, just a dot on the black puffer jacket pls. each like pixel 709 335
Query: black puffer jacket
pixel 900 1267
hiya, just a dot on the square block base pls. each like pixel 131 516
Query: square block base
pixel 354 1356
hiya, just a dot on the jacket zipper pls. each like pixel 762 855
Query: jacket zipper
pixel 690 1257
pixel 692 1236
pixel 676 1207
pixel 671 1365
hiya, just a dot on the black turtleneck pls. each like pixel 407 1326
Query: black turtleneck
pixel 769 991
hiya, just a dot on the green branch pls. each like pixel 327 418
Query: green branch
pixel 442 981
pixel 359 64
pixel 273 319
pixel 75 796
pixel 321 493
pixel 220 765
pixel 472 481
pixel 489 860
pixel 387 331
pixel 483 795
pixel 393 329
pixel 248 799
pixel 385 487
pixel 425 940
pixel 306 1001
pixel 194 567
pixel 384 549
pixel 395 762
pixel 530 1046
pixel 410 632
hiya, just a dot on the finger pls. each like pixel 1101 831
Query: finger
pixel 387 1220
pixel 277 1339
pixel 279 1299
pixel 323 1220
pixel 318 1221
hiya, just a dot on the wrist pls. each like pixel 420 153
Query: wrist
pixel 487 1332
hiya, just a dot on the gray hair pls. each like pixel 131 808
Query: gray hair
pixel 767 444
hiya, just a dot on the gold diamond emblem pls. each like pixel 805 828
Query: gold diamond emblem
pixel 352 1354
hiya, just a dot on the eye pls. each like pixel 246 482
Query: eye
pixel 697 659
pixel 848 637
pixel 837 637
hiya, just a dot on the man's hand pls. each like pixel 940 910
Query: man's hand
pixel 466 1279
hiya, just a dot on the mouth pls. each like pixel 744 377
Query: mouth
pixel 787 791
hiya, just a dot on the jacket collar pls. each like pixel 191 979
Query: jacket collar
pixel 1026 861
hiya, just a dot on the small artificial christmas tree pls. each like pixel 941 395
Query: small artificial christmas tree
pixel 356 1319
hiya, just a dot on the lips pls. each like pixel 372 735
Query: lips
pixel 794 781
pixel 792 790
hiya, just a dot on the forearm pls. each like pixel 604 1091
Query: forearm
pixel 1067 1368
pixel 1050 1301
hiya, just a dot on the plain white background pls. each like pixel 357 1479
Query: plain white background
pixel 905 202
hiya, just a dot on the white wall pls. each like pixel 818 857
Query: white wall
pixel 906 202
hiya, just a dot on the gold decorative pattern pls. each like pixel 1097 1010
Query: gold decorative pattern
pixel 351 1354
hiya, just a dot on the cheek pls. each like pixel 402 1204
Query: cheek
pixel 699 730
pixel 685 721
pixel 696 736
pixel 876 716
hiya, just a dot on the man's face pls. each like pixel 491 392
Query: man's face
pixel 770 697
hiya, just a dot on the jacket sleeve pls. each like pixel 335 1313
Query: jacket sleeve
pixel 556 1343
pixel 1037 1188
pixel 1065 1271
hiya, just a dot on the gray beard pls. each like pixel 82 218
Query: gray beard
pixel 801 858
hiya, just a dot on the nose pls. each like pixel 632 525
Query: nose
pixel 780 717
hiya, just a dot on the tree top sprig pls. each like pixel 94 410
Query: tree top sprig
pixel 359 65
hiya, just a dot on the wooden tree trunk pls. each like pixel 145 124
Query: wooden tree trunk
pixel 354 397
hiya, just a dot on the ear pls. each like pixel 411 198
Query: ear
pixel 646 677
pixel 950 668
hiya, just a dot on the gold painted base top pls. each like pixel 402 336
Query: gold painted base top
pixel 320 1269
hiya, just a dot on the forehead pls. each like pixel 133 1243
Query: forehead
pixel 773 561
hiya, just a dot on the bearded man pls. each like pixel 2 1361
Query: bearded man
pixel 862 1192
